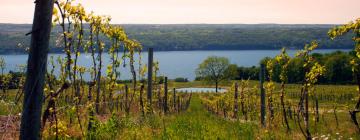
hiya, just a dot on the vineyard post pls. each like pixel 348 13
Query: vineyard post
pixel 262 94
pixel 178 104
pixel 36 69
pixel 236 101
pixel 174 99
pixel 91 113
pixel 166 95
pixel 141 100
pixel 150 69
pixel 127 104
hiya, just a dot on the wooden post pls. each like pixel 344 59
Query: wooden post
pixel 307 125
pixel 159 100
pixel 262 94
pixel 178 104
pixel 165 95
pixel 127 103
pixel 91 113
pixel 141 100
pixel 150 68
pixel 236 101
pixel 36 69
pixel 174 98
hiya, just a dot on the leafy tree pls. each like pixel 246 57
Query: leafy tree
pixel 216 69
pixel 336 63
pixel 355 62
pixel 338 68
pixel 251 73
pixel 181 79
pixel 295 71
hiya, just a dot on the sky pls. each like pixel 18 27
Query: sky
pixel 203 11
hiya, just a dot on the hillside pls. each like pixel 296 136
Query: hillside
pixel 198 36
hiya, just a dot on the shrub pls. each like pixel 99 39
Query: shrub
pixel 181 79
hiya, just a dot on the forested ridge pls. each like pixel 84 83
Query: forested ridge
pixel 175 37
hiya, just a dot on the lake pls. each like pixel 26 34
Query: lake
pixel 200 90
pixel 172 63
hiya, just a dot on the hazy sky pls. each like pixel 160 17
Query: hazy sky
pixel 203 11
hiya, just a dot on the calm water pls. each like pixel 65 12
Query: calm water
pixel 200 90
pixel 172 63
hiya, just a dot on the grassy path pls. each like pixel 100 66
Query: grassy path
pixel 197 123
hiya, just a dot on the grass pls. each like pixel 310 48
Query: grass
pixel 197 123
pixel 194 123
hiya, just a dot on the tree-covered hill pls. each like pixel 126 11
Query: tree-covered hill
pixel 198 36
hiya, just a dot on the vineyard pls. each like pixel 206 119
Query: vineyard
pixel 328 111
pixel 52 99
pixel 194 116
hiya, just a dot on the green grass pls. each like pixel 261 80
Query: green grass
pixel 194 123
pixel 197 123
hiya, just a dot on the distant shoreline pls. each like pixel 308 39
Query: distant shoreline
pixel 343 49
pixel 197 37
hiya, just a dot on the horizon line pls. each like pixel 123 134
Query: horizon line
pixel 208 23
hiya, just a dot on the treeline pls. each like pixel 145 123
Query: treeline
pixel 337 64
pixel 195 37
pixel 11 80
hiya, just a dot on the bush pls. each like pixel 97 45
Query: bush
pixel 181 79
